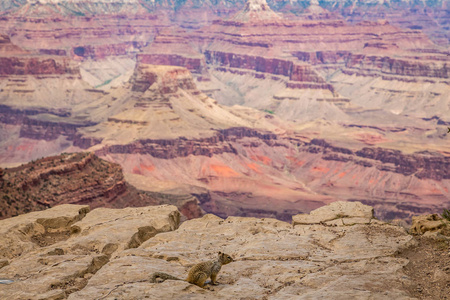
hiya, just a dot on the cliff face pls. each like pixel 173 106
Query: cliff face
pixel 103 51
pixel 181 147
pixel 422 165
pixel 35 66
pixel 73 252
pixel 366 64
pixel 79 178
pixel 195 65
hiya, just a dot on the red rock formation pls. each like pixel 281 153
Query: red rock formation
pixel 80 178
pixel 422 165
pixel 38 129
pixel 181 147
pixel 171 81
pixel 7 48
pixel 48 131
pixel 295 72
pixel 12 116
pixel 365 64
pixel 100 35
pixel 256 63
pixel 323 57
pixel 298 52
pixel 36 66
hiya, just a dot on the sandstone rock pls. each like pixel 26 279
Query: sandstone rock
pixel 427 223
pixel 120 229
pixel 53 271
pixel 37 274
pixel 17 233
pixel 273 260
pixel 347 212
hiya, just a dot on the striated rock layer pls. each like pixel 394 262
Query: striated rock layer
pixel 80 178
pixel 368 101
pixel 160 126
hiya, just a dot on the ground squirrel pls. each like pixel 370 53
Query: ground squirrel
pixel 200 272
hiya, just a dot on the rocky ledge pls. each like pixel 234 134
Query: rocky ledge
pixel 78 178
pixel 337 252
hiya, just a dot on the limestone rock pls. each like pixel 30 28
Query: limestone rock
pixel 16 233
pixel 107 228
pixel 348 212
pixel 81 243
pixel 273 260
pixel 38 274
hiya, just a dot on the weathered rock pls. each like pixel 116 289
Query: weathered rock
pixel 120 229
pixel 17 234
pixel 36 66
pixel 273 260
pixel 3 262
pixel 78 178
pixel 55 270
pixel 39 274
pixel 337 213
pixel 427 223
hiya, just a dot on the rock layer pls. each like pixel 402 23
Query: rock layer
pixel 80 178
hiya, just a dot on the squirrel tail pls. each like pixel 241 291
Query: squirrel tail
pixel 163 276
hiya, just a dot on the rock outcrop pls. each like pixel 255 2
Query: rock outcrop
pixel 429 223
pixel 53 253
pixel 328 258
pixel 36 66
pixel 79 178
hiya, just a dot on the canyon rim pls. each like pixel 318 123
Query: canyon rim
pixel 237 108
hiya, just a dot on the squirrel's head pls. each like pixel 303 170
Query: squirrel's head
pixel 224 258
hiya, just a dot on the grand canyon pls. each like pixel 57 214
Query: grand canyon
pixel 236 108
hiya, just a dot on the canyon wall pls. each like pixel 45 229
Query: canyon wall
pixel 347 102
pixel 80 178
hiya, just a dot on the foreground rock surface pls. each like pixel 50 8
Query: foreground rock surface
pixel 339 252
pixel 56 251
pixel 273 260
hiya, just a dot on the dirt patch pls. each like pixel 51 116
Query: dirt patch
pixel 428 268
